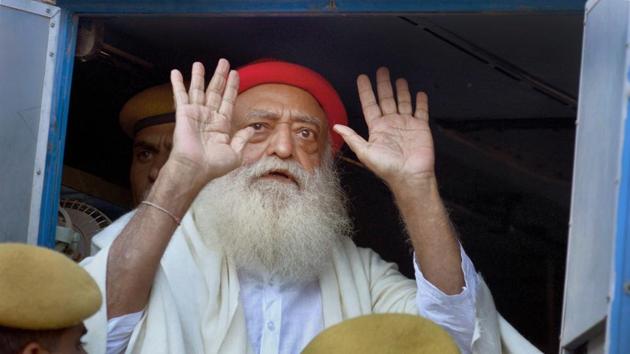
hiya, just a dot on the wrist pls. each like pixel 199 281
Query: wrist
pixel 418 196
pixel 175 188
pixel 183 174
pixel 421 185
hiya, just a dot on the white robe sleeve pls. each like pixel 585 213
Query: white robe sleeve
pixel 455 313
pixel 119 330
pixel 360 271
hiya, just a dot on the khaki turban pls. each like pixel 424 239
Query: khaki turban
pixel 146 108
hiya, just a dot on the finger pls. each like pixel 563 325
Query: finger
pixel 371 110
pixel 179 90
pixel 404 97
pixel 241 138
pixel 385 92
pixel 196 94
pixel 214 92
pixel 354 140
pixel 229 96
pixel 422 106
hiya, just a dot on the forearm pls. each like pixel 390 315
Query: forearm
pixel 135 254
pixel 431 233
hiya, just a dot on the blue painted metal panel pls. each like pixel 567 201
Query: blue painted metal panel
pixel 317 6
pixel 57 133
pixel 461 6
pixel 194 6
pixel 619 319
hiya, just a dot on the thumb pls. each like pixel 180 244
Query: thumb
pixel 241 138
pixel 354 140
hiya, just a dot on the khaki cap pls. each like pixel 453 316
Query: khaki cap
pixel 383 333
pixel 152 106
pixel 41 289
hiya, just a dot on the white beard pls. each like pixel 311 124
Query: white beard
pixel 282 228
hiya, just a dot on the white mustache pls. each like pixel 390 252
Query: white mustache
pixel 271 164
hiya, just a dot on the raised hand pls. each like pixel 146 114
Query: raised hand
pixel 203 123
pixel 400 147
pixel 202 150
pixel 400 151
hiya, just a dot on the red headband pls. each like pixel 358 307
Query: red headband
pixel 281 72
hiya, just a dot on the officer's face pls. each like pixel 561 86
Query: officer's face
pixel 68 342
pixel 151 148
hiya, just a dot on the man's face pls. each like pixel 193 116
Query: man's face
pixel 67 341
pixel 288 122
pixel 151 147
pixel 70 341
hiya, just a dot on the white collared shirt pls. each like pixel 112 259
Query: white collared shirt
pixel 283 317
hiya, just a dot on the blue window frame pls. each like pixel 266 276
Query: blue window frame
pixel 619 339
pixel 317 6
pixel 619 318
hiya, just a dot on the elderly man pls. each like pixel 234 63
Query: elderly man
pixel 262 261
pixel 149 119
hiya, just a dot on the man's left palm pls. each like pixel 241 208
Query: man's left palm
pixel 400 147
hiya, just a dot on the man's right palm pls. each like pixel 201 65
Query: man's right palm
pixel 203 123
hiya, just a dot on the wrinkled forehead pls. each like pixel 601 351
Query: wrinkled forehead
pixel 280 99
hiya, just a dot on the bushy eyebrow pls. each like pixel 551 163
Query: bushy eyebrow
pixel 304 118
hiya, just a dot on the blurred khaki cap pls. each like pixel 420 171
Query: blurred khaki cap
pixel 41 289
pixel 383 333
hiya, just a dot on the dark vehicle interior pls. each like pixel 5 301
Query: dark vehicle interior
pixel 502 94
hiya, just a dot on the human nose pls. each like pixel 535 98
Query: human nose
pixel 281 142
pixel 153 173
pixel 157 166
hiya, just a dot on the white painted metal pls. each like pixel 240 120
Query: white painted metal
pixel 34 7
pixel 44 125
pixel 28 41
pixel 596 171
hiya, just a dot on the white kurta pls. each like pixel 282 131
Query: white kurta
pixel 282 317
pixel 194 305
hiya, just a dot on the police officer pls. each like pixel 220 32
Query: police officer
pixel 149 119
pixel 44 298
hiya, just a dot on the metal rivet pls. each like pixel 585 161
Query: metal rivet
pixel 48 10
pixel 51 54
pixel 52 25
pixel 39 171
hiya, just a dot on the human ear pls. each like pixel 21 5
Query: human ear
pixel 34 348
